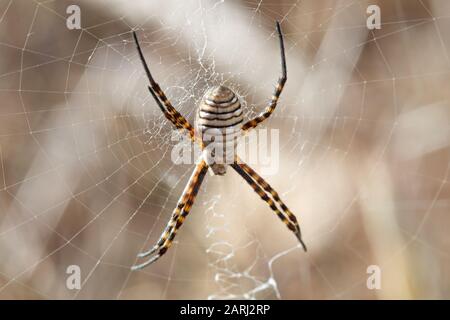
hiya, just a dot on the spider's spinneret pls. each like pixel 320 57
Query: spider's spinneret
pixel 219 122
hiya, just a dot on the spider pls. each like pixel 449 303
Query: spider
pixel 219 116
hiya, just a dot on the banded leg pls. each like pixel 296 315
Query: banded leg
pixel 176 121
pixel 177 220
pixel 193 181
pixel 253 182
pixel 182 217
pixel 175 117
pixel 266 186
pixel 278 89
pixel 168 116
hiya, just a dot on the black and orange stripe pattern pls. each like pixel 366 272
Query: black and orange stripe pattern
pixel 159 96
pixel 278 89
pixel 180 213
pixel 257 182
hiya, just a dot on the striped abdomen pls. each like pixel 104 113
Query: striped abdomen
pixel 219 121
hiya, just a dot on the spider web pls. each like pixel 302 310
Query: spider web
pixel 87 177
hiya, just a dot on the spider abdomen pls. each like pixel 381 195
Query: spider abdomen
pixel 219 122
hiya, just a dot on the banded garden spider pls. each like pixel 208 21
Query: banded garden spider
pixel 219 117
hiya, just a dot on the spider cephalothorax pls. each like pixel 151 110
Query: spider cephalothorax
pixel 219 123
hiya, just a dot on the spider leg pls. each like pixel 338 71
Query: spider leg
pixel 168 243
pixel 266 186
pixel 278 89
pixel 172 229
pixel 175 117
pixel 256 182
pixel 176 121
pixel 168 115
pixel 193 181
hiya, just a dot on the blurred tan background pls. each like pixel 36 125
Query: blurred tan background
pixel 87 179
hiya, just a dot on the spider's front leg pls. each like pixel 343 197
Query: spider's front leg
pixel 182 210
pixel 258 184
pixel 159 96
pixel 278 89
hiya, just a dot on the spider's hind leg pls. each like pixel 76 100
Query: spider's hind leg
pixel 178 217
pixel 168 228
pixel 258 184
pixel 193 180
